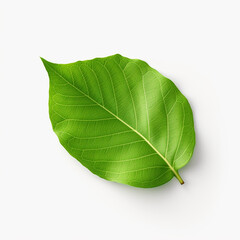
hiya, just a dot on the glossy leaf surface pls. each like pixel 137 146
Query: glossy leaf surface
pixel 121 119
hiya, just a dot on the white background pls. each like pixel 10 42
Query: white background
pixel 45 193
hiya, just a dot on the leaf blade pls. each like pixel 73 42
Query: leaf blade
pixel 126 84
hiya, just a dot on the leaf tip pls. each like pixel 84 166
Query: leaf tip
pixel 46 63
pixel 44 60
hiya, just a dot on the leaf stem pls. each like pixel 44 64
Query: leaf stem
pixel 178 177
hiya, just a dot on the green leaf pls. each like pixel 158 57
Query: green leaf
pixel 121 119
